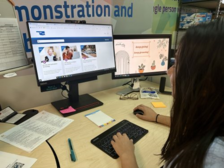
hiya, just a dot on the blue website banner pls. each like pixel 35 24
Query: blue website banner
pixel 70 40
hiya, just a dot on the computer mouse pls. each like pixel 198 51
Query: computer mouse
pixel 31 111
pixel 138 112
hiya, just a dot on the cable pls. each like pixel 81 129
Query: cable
pixel 63 88
pixel 55 155
pixel 63 94
pixel 127 83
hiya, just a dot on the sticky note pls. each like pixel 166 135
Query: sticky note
pixel 158 104
pixel 100 118
pixel 70 109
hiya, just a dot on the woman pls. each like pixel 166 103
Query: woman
pixel 67 54
pixel 197 116
pixel 50 55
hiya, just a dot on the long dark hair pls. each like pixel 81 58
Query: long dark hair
pixel 197 115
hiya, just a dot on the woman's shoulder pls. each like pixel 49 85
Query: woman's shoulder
pixel 215 154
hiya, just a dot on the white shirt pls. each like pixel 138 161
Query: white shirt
pixel 51 58
pixel 215 154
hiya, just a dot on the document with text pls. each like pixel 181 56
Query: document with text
pixel 12 51
pixel 9 160
pixel 33 132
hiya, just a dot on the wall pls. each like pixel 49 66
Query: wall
pixel 22 92
pixel 6 9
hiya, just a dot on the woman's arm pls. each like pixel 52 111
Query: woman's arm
pixel 165 120
pixel 128 162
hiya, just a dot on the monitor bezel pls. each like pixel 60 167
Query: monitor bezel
pixel 76 76
pixel 143 36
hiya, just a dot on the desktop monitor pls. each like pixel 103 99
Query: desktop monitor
pixel 141 55
pixel 68 52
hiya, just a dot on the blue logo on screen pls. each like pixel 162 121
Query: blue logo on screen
pixel 40 49
pixel 42 33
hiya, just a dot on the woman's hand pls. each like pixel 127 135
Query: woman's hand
pixel 125 149
pixel 149 114
pixel 123 145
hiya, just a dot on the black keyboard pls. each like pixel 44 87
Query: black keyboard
pixel 103 141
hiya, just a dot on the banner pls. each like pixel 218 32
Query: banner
pixel 126 16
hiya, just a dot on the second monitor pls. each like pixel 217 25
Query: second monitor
pixel 141 55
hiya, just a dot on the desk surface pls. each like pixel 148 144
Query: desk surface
pixel 82 130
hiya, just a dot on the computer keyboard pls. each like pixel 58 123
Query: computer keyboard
pixel 103 141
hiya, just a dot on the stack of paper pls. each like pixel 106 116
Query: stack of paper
pixel 34 131
pixel 100 118
pixel 148 92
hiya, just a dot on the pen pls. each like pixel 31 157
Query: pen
pixel 148 91
pixel 73 158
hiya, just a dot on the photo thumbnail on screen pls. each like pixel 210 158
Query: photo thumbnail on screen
pixel 49 54
pixel 88 51
pixel 70 52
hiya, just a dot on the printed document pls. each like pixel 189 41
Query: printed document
pixel 12 52
pixel 9 160
pixel 33 132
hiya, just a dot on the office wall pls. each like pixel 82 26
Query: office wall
pixel 22 92
pixel 6 9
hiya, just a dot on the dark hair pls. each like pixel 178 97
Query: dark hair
pixel 197 115
pixel 67 47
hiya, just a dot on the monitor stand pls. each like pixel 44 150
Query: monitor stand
pixel 134 87
pixel 79 103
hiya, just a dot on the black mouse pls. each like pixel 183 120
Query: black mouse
pixel 138 112
pixel 31 111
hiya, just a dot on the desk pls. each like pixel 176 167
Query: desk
pixel 82 130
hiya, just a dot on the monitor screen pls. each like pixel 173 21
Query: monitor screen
pixel 141 55
pixel 68 51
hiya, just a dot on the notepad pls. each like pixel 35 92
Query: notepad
pixel 158 104
pixel 100 118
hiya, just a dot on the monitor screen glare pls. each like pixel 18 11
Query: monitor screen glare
pixel 63 51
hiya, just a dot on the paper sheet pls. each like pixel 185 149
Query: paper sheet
pixel 15 118
pixel 9 160
pixel 148 92
pixel 12 52
pixel 34 131
pixel 100 118
pixel 5 112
